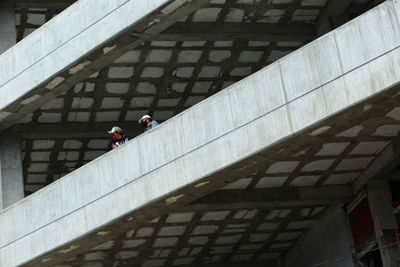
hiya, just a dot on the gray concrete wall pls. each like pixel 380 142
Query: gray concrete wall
pixel 327 244
pixel 8 34
pixel 11 186
pixel 60 53
pixel 331 74
pixel 59 42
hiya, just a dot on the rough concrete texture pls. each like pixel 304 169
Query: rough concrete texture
pixel 177 162
pixel 11 179
pixel 100 101
pixel 385 222
pixel 326 244
pixel 7 26
pixel 59 54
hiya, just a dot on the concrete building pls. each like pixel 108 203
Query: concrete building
pixel 279 141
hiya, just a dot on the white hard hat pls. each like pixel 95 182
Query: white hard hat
pixel 115 129
pixel 144 117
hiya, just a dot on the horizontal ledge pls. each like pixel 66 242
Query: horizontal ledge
pixel 265 205
pixel 48 4
pixel 205 31
pixel 279 195
pixel 71 130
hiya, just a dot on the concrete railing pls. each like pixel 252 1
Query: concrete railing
pixel 53 55
pixel 340 69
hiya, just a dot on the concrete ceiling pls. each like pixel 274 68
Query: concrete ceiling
pixel 261 215
pixel 198 56
pixel 230 234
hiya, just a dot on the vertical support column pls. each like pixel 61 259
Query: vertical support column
pixel 380 202
pixel 326 244
pixel 12 184
pixel 8 34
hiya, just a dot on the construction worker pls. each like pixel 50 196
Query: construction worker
pixel 119 138
pixel 147 122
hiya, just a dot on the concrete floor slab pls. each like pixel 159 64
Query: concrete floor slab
pixel 163 177
pixel 80 49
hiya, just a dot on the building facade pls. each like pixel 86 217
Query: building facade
pixel 278 143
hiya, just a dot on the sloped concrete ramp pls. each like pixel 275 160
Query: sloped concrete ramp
pixel 83 39
pixel 344 79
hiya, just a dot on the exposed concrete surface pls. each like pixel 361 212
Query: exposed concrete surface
pixel 7 26
pixel 90 106
pixel 326 244
pixel 11 186
pixel 385 222
pixel 339 70
pixel 60 54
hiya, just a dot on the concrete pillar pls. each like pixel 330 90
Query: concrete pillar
pixel 8 33
pixel 12 184
pixel 327 244
pixel 380 202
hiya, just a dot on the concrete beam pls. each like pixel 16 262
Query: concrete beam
pixel 11 178
pixel 203 31
pixel 381 166
pixel 70 130
pixel 321 193
pixel 61 56
pixel 264 205
pixel 273 198
pixel 326 244
pixel 185 158
pixel 56 4
pixel 382 211
pixel 7 26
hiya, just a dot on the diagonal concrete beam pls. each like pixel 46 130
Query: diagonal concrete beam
pixel 232 31
pixel 70 130
pixel 58 4
pixel 276 204
pixel 327 193
pixel 185 158
pixel 273 198
pixel 60 53
pixel 381 166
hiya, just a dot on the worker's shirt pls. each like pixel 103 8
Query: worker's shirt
pixel 152 124
pixel 123 140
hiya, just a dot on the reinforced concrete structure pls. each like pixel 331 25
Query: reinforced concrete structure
pixel 279 144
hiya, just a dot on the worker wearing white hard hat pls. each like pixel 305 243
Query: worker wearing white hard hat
pixel 147 122
pixel 119 138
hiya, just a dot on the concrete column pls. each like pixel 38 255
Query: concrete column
pixel 8 33
pixel 381 205
pixel 12 185
pixel 327 244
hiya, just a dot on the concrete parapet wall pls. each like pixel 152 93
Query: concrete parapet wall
pixel 346 66
pixel 59 44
